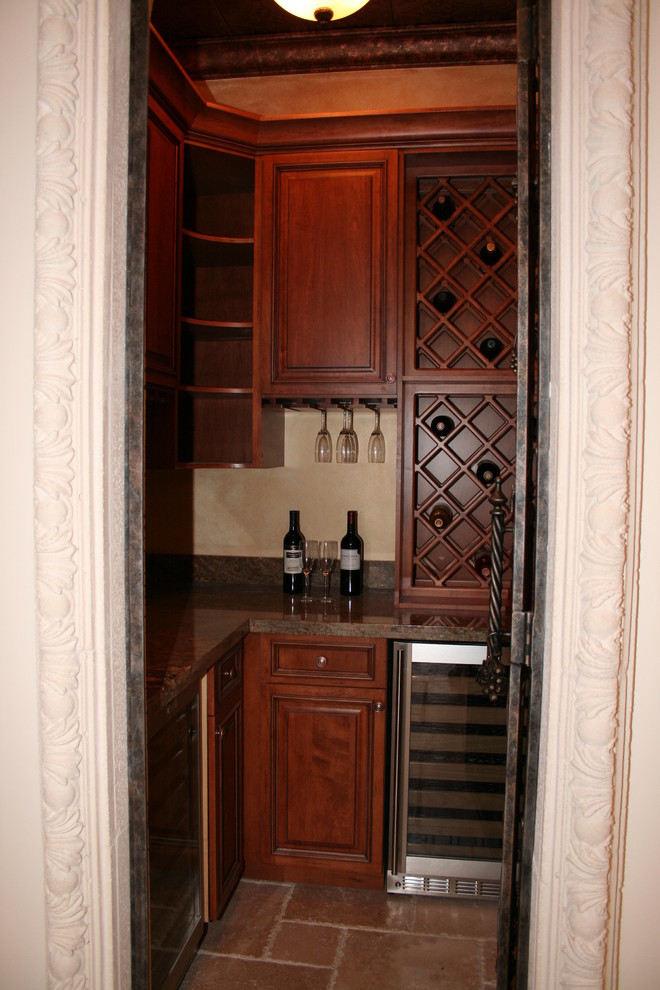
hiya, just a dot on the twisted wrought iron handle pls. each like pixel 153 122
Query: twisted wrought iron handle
pixel 492 675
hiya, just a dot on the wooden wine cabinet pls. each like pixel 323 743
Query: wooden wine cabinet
pixel 458 393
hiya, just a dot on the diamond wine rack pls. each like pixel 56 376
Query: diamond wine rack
pixel 458 406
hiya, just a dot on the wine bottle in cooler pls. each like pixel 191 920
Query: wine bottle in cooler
pixel 351 558
pixel 292 552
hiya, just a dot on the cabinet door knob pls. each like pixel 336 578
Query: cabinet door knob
pixel 379 706
pixel 390 377
pixel 321 661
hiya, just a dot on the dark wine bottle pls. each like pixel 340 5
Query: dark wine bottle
pixel 482 565
pixel 490 347
pixel 441 516
pixel 292 579
pixel 443 207
pixel 490 253
pixel 488 472
pixel 351 558
pixel 442 426
pixel 444 300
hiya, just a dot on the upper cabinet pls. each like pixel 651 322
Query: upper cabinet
pixel 164 144
pixel 328 273
pixel 217 273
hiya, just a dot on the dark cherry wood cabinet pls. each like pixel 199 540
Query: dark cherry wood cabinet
pixel 457 400
pixel 161 351
pixel 328 273
pixel 219 409
pixel 175 839
pixel 164 162
pixel 315 717
pixel 225 772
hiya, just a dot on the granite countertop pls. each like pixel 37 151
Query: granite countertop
pixel 188 630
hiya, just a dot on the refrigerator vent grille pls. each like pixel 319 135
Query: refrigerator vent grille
pixel 404 883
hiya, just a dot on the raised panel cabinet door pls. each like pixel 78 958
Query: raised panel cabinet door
pixel 225 804
pixel 164 144
pixel 329 275
pixel 175 840
pixel 327 793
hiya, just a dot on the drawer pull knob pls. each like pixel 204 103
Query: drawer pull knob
pixel 230 672
pixel 379 706
pixel 321 661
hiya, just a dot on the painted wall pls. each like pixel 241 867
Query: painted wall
pixel 22 896
pixel 244 513
pixel 640 950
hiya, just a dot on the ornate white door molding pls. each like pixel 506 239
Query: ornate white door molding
pixel 79 404
pixel 79 491
pixel 587 667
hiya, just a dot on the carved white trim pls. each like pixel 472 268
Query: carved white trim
pixel 580 815
pixel 78 484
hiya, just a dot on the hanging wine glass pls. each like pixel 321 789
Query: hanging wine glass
pixel 376 448
pixel 347 442
pixel 323 445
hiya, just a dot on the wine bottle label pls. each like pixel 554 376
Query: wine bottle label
pixel 350 560
pixel 293 562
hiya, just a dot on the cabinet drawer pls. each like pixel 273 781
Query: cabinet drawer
pixel 324 660
pixel 226 678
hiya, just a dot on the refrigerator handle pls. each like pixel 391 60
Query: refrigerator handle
pixel 396 852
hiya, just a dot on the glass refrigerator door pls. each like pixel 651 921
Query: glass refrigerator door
pixel 449 758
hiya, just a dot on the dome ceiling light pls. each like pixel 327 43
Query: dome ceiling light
pixel 317 10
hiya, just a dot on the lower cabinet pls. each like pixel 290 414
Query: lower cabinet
pixel 315 730
pixel 175 839
pixel 225 798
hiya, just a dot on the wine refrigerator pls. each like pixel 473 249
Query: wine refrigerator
pixel 448 765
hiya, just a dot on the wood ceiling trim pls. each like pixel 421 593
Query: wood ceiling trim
pixel 347 51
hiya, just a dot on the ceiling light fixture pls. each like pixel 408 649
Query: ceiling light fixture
pixel 316 10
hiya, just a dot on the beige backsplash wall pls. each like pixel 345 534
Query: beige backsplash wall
pixel 244 512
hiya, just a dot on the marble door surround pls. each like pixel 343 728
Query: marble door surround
pixel 81 488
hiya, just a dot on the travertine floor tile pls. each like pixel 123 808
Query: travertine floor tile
pixel 378 960
pixel 303 937
pixel 452 916
pixel 245 927
pixel 315 945
pixel 351 908
pixel 218 973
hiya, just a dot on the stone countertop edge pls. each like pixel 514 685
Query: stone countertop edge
pixel 187 634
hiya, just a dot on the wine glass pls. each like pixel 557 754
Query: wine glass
pixel 310 549
pixel 376 448
pixel 347 442
pixel 327 558
pixel 323 446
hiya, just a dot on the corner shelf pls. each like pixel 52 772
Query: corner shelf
pixel 219 409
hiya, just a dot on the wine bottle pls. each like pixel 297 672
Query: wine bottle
pixel 441 516
pixel 482 565
pixel 442 426
pixel 292 580
pixel 351 558
pixel 444 300
pixel 443 207
pixel 487 472
pixel 490 253
pixel 490 347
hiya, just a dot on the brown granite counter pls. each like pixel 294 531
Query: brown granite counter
pixel 188 630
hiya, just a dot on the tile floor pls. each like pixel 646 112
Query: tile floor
pixel 300 937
